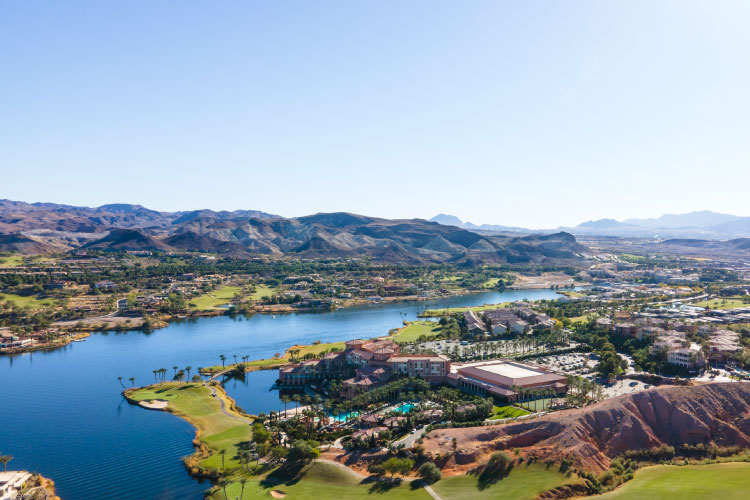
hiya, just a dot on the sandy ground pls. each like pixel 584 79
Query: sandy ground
pixel 157 404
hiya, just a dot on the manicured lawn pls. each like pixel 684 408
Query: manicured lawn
pixel 322 481
pixel 31 301
pixel 317 348
pixel 509 411
pixel 722 303
pixel 693 482
pixel 523 483
pixel 215 299
pixel 414 330
pixel 195 403
pixel 263 291
pixel 11 261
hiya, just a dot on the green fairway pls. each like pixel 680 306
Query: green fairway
pixel 509 411
pixel 31 301
pixel 320 481
pixel 723 303
pixel 262 291
pixel 195 404
pixel 215 299
pixel 523 483
pixel 416 329
pixel 692 482
pixel 11 261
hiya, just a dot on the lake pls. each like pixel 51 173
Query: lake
pixel 62 415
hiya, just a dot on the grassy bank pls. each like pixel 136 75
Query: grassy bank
pixel 415 329
pixel 523 483
pixel 693 482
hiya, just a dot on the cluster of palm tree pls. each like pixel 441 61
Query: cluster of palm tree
pixel 582 390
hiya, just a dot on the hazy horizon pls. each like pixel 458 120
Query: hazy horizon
pixel 530 114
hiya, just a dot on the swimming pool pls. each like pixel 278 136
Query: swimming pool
pixel 404 408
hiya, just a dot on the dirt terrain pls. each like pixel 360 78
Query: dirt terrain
pixel 591 437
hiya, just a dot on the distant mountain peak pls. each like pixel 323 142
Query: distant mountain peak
pixel 448 220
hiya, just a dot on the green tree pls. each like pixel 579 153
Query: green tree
pixel 430 472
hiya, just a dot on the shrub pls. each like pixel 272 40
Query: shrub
pixel 430 473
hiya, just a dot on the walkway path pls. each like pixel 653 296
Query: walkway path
pixel 224 410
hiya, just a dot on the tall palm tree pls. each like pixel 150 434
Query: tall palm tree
pixel 222 453
pixel 235 358
pixel 187 369
pixel 175 369
pixel 4 459
pixel 120 380
pixel 223 482
pixel 222 358
pixel 132 381
pixel 242 492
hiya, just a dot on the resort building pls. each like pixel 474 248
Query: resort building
pixel 11 483
pixel 722 344
pixel 373 363
pixel 678 350
pixel 505 379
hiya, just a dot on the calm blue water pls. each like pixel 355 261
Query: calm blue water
pixel 61 413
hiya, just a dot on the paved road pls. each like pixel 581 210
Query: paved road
pixel 409 440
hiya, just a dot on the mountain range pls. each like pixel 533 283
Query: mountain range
pixel 700 224
pixel 48 228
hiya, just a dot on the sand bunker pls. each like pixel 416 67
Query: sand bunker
pixel 156 404
pixel 277 494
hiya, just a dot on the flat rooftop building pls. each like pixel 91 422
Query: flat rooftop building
pixel 505 379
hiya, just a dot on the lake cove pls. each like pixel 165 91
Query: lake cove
pixel 64 417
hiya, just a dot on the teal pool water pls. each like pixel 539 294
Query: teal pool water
pixel 405 408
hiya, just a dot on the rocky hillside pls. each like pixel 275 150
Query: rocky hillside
pixel 40 228
pixel 709 414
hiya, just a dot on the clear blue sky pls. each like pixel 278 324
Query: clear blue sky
pixel 522 113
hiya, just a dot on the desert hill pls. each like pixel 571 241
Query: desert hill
pixel 709 414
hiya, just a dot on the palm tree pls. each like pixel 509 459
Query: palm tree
pixel 120 380
pixel 222 358
pixel 242 492
pixel 223 482
pixel 187 369
pixel 235 358
pixel 175 369
pixel 132 381
pixel 4 459
pixel 222 453
pixel 285 399
pixel 154 372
